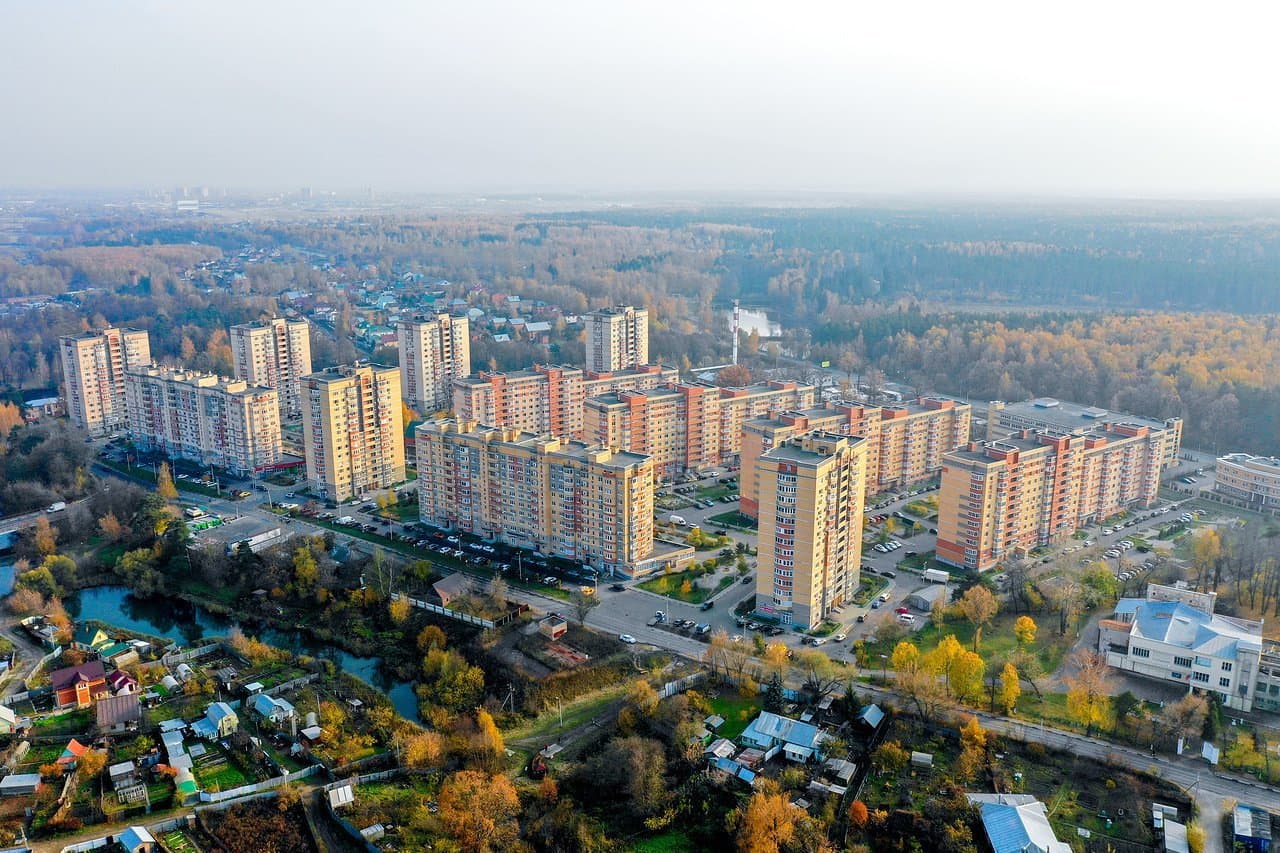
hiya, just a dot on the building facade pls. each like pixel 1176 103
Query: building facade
pixel 557 497
pixel 1046 413
pixel 353 430
pixel 1173 635
pixel 93 372
pixel 905 443
pixel 203 418
pixel 686 426
pixel 617 338
pixel 1252 479
pixel 545 399
pixel 434 351
pixel 999 499
pixel 810 532
pixel 275 354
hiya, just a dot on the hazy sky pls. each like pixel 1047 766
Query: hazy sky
pixel 1114 98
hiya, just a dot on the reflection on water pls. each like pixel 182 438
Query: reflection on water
pixel 6 578
pixel 187 623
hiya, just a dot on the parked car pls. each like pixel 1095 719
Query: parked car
pixel 617 587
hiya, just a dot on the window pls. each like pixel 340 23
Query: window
pixel 1141 652
pixel 1226 666
pixel 1184 662
pixel 1224 682
pixel 1202 677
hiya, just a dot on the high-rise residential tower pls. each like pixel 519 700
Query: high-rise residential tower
pixel 617 338
pixel 434 351
pixel 93 369
pixel 275 354
pixel 352 430
pixel 810 535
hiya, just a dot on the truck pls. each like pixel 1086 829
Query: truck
pixel 56 506
pixel 937 576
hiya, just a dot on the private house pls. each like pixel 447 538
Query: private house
pixel 19 784
pixel 8 720
pixel 273 709
pixel 136 839
pixel 1250 829
pixel 118 654
pixel 118 713
pixel 451 588
pixel 1017 823
pixel 71 752
pixel 79 686
pixel 123 775
pixel 218 722
pixel 89 638
pixel 122 682
pixel 773 733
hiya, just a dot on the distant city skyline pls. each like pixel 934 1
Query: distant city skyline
pixel 492 97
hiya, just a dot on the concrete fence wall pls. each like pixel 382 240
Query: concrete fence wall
pixel 456 615
pixel 291 685
pixel 191 654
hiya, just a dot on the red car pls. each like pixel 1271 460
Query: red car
pixel 902 610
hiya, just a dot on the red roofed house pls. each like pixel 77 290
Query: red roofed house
pixel 122 682
pixel 79 686
pixel 71 754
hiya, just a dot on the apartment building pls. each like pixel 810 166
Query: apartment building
pixel 999 499
pixel 275 354
pixel 810 535
pixel 617 338
pixel 93 370
pixel 353 430
pixel 905 443
pixel 686 426
pixel 434 351
pixel 1046 413
pixel 546 398
pixel 207 419
pixel 558 497
pixel 1173 635
pixel 1253 479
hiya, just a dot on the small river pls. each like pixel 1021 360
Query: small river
pixel 188 623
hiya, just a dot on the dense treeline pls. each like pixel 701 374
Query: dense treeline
pixel 1220 373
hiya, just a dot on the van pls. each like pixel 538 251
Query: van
pixel 678 519
pixel 346 519
pixel 906 618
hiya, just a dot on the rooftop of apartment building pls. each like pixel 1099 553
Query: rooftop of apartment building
pixel 198 379
pixel 94 335
pixel 268 323
pixel 346 371
pixel 617 459
pixel 1073 417
pixel 981 451
pixel 806 449
pixel 929 403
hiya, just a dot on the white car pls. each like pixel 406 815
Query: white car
pixel 819 641
pixel 840 638
pixel 627 638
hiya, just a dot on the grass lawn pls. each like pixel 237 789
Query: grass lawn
pixel 869 586
pixel 581 710
pixel 68 723
pixel 178 841
pixel 670 586
pixel 405 511
pixel 733 518
pixel 737 712
pixel 222 777
pixel 716 492
pixel 997 640
pixel 671 841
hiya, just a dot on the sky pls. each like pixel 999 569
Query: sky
pixel 1083 99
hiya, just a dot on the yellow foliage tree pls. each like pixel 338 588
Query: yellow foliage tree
pixel 767 824
pixel 45 537
pixel 1024 629
pixel 979 606
pixel 164 483
pixel 965 679
pixel 1010 689
pixel 398 610
pixel 479 811
pixel 905 658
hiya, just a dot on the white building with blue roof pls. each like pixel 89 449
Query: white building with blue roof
pixel 774 733
pixel 1017 823
pixel 1173 635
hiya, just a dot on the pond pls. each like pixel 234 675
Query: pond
pixel 188 623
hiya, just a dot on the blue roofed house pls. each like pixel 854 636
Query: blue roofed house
pixel 1017 823
pixel 774 733
pixel 273 709
pixel 219 721
pixel 1174 636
